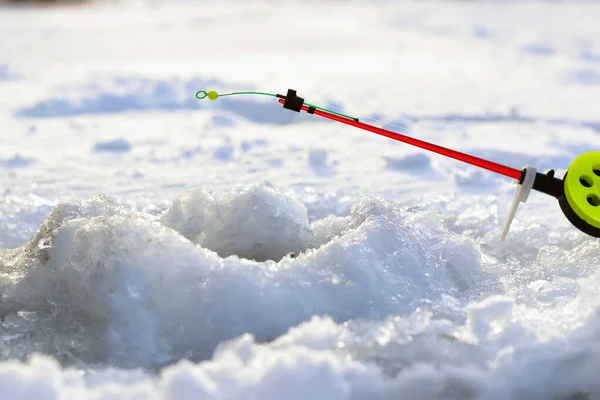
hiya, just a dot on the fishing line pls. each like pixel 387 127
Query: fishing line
pixel 213 95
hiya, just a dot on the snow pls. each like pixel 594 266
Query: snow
pixel 253 222
pixel 157 246
pixel 116 145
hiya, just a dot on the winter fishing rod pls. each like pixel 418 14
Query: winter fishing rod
pixel 578 192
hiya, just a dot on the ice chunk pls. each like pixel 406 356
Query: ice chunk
pixel 254 222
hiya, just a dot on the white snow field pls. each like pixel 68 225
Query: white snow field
pixel 157 246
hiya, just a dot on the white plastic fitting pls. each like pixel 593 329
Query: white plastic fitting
pixel 520 197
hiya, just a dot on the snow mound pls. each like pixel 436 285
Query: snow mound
pixel 101 284
pixel 252 222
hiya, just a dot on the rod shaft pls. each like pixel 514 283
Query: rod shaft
pixel 479 162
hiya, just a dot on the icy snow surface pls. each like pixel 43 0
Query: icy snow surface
pixel 156 246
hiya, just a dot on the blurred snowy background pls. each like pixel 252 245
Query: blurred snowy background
pixel 156 246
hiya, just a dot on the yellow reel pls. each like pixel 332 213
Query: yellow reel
pixel 582 188
pixel 578 192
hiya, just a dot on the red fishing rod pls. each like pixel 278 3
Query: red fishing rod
pixel 578 193
pixel 479 162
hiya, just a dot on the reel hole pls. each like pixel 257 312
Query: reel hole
pixel 593 200
pixel 586 180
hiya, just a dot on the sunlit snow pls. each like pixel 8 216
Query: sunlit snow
pixel 157 246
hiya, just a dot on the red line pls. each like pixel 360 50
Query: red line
pixel 479 162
